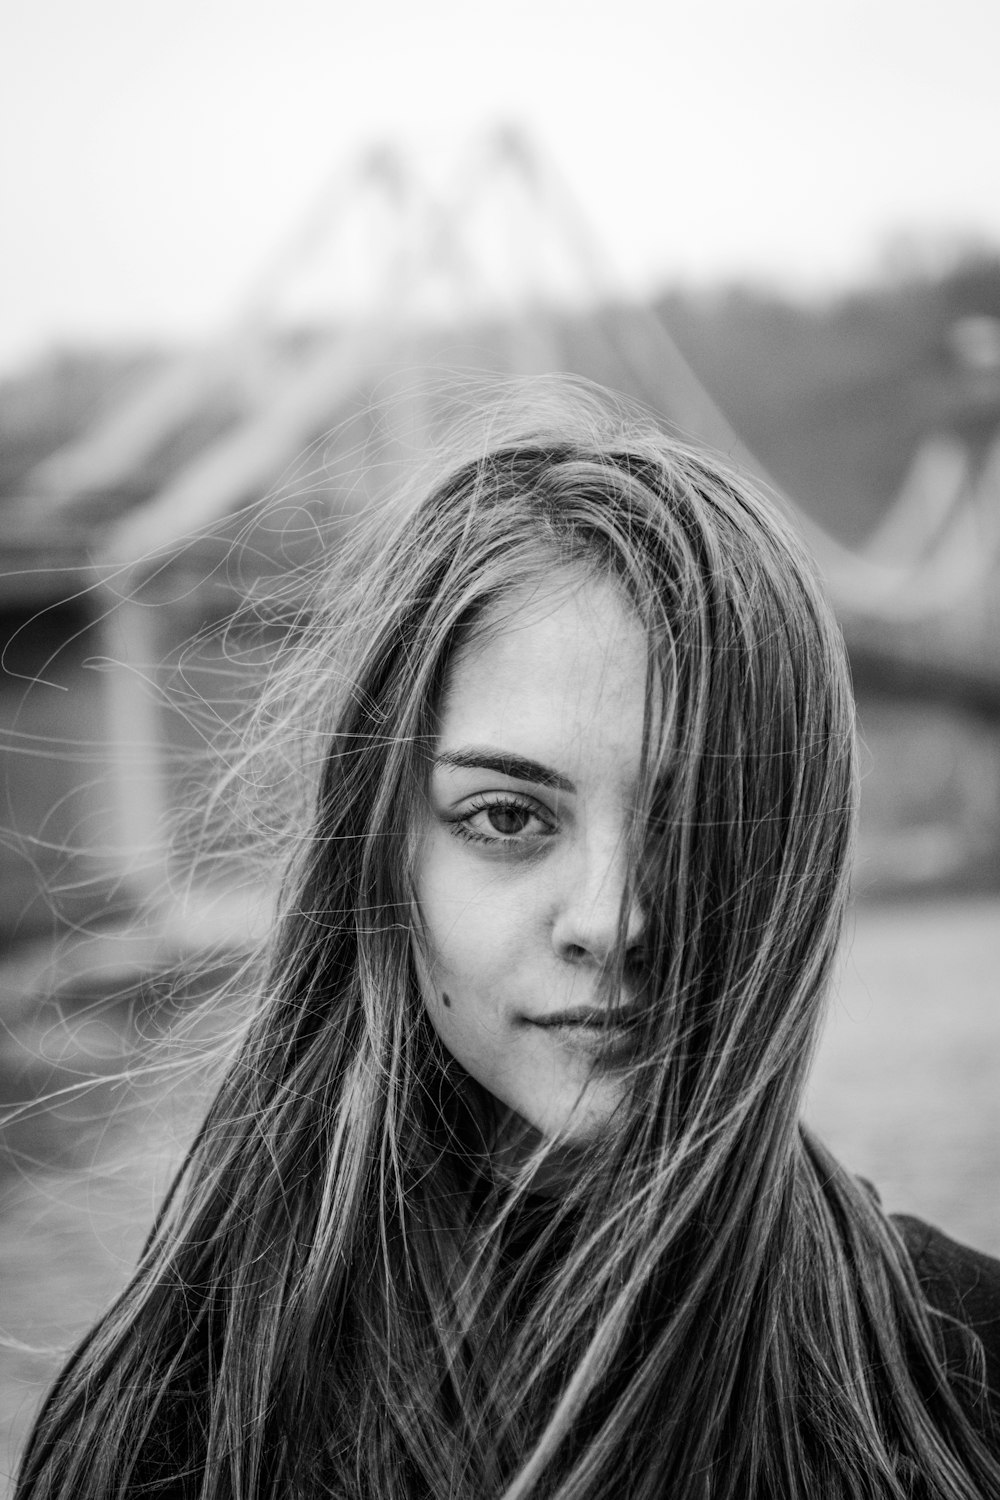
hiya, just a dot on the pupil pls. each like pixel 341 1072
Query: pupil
pixel 507 819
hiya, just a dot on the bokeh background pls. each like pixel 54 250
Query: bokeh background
pixel 252 256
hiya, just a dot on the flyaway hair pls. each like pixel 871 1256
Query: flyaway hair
pixel 343 1296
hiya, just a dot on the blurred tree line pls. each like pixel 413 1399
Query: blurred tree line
pixel 832 396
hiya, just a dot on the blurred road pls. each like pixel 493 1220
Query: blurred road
pixel 906 1088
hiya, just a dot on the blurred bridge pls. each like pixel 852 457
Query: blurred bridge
pixel 339 375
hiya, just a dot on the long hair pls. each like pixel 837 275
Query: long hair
pixel 341 1296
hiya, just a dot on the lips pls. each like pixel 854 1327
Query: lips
pixel 589 1018
pixel 608 1038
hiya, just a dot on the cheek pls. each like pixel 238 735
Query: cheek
pixel 466 956
pixel 465 1008
pixel 463 914
pixel 474 944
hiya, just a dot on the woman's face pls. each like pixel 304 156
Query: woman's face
pixel 521 866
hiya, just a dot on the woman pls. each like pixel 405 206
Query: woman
pixel 506 1192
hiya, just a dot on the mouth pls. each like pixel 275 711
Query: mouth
pixel 607 1038
pixel 590 1018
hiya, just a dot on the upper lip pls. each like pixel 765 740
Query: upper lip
pixel 599 1017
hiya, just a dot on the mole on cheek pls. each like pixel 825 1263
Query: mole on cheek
pixel 447 1000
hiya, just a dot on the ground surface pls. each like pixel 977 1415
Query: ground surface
pixel 906 1090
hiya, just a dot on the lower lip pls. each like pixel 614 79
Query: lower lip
pixel 610 1044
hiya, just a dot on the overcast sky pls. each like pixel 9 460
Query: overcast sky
pixel 156 153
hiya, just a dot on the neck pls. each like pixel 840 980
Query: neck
pixel 554 1166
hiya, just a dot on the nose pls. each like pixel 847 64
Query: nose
pixel 593 888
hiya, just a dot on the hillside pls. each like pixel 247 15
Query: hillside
pixel 834 398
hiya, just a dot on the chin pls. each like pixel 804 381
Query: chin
pixel 585 1118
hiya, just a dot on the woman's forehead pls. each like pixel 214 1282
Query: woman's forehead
pixel 558 675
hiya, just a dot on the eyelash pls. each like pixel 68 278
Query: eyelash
pixel 491 802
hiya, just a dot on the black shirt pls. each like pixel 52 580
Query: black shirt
pixel 961 1282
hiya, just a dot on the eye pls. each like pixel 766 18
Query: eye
pixel 507 820
pixel 503 819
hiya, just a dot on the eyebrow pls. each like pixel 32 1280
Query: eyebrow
pixel 517 767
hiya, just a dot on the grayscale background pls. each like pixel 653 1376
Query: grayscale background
pixel 248 251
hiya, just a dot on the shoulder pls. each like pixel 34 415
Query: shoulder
pixel 961 1282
